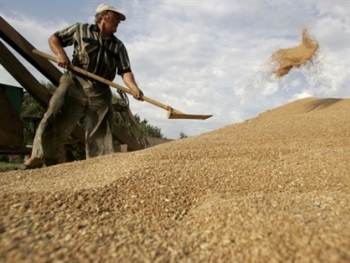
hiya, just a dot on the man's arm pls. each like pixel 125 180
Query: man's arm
pixel 56 47
pixel 129 80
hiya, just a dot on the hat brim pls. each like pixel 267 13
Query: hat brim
pixel 112 9
pixel 121 16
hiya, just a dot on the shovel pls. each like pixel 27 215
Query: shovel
pixel 172 113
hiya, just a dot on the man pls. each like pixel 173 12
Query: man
pixel 98 51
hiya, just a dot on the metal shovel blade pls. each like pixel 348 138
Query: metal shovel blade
pixel 172 115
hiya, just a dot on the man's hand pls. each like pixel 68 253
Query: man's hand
pixel 130 82
pixel 56 47
pixel 137 94
pixel 63 60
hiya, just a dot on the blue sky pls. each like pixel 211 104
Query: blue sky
pixel 205 56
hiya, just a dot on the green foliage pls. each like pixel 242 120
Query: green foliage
pixel 77 152
pixel 148 129
pixel 30 107
pixel 4 158
pixel 31 114
pixel 6 166
pixel 182 135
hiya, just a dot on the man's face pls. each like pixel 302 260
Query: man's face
pixel 112 21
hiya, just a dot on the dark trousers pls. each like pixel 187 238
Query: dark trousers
pixel 74 97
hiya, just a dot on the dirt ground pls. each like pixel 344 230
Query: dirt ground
pixel 274 188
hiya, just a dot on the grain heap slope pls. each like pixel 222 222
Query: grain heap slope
pixel 274 188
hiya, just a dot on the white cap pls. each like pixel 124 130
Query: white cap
pixel 107 7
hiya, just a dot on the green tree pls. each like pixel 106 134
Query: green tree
pixel 148 129
pixel 32 113
pixel 182 135
pixel 121 110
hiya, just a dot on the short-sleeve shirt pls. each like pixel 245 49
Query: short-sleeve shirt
pixel 101 56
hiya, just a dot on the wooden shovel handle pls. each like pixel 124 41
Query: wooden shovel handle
pixel 107 82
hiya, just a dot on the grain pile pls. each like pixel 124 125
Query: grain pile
pixel 285 59
pixel 271 189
